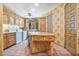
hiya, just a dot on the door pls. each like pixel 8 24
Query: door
pixel 43 24
pixel 70 28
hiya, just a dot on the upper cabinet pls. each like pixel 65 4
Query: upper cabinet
pixel 12 20
pixel 17 22
pixel 8 19
pixel 21 22
pixel 8 16
pixel 5 18
pixel 27 23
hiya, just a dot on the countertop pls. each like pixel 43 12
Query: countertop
pixel 8 32
pixel 40 33
pixel 13 32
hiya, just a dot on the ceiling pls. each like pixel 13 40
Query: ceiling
pixel 36 9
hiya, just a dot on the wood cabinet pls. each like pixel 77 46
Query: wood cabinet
pixel 41 42
pixel 71 28
pixel 17 21
pixel 4 41
pixel 9 39
pixel 1 24
pixel 12 20
pixel 8 16
pixel 4 19
pixel 27 23
pixel 21 23
pixel 42 24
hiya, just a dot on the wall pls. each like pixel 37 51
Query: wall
pixel 50 23
pixel 1 37
pixel 58 24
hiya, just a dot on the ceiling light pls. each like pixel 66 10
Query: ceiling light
pixel 36 4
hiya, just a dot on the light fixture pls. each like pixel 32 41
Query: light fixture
pixel 29 14
pixel 36 4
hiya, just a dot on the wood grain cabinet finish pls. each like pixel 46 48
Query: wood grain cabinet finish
pixel 41 43
pixel 71 28
pixel 9 39
pixel 4 41
pixel 1 27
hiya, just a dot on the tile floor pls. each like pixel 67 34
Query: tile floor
pixel 22 49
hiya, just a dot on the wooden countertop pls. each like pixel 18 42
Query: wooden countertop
pixel 40 33
pixel 8 32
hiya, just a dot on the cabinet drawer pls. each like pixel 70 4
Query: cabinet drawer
pixel 49 38
pixel 10 34
pixel 9 43
pixel 38 38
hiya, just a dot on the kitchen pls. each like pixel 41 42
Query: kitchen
pixel 27 32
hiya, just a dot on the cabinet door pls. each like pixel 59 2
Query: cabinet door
pixel 17 22
pixel 70 28
pixel 21 22
pixel 11 40
pixel 4 19
pixel 4 41
pixel 73 34
pixel 12 20
pixel 1 27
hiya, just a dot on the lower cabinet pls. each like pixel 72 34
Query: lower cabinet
pixel 4 41
pixel 9 39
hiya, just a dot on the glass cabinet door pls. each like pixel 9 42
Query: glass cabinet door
pixel 73 23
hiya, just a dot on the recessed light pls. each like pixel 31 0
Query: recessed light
pixel 36 4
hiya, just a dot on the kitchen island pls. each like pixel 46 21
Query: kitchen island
pixel 40 42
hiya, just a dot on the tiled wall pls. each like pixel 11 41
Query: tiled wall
pixel 1 39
